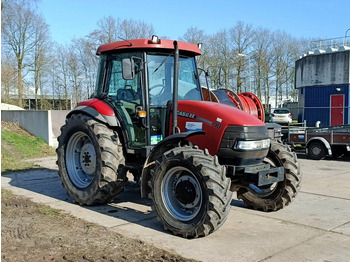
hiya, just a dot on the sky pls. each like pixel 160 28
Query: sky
pixel 318 19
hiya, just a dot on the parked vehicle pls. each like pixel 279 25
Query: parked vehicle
pixel 320 142
pixel 148 117
pixel 281 116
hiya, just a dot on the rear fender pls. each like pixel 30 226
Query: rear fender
pixel 322 140
pixel 157 152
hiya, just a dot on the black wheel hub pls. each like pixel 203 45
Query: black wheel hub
pixel 185 192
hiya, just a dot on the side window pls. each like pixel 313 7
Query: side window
pixel 188 86
pixel 119 88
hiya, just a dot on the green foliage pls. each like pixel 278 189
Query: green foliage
pixel 16 147
pixel 27 146
pixel 10 161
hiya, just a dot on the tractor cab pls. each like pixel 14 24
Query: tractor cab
pixel 138 82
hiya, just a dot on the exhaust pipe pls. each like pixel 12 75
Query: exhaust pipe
pixel 175 87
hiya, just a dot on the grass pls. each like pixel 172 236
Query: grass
pixel 45 210
pixel 16 147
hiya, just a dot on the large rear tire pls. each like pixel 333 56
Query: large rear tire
pixel 190 192
pixel 90 156
pixel 278 195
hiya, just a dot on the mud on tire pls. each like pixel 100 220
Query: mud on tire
pixel 90 156
pixel 190 192
pixel 278 195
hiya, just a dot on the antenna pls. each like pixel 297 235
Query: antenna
pixel 125 40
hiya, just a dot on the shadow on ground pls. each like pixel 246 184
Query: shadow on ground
pixel 128 206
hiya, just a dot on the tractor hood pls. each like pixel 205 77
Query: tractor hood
pixel 210 113
pixel 213 118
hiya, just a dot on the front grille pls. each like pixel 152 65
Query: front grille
pixel 228 156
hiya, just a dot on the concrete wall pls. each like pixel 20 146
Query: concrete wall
pixel 58 118
pixel 323 69
pixel 44 124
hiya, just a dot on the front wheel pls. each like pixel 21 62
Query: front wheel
pixel 90 157
pixel 190 192
pixel 277 195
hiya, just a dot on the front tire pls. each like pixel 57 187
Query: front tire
pixel 90 156
pixel 190 192
pixel 278 195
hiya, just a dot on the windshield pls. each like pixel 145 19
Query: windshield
pixel 160 79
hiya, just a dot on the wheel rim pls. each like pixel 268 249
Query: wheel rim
pixel 267 190
pixel 316 150
pixel 181 193
pixel 80 160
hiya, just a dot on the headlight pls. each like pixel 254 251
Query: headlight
pixel 252 145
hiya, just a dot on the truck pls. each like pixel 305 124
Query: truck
pixel 148 119
pixel 320 142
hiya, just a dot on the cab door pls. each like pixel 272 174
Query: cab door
pixel 126 96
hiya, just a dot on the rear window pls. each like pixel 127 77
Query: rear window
pixel 281 111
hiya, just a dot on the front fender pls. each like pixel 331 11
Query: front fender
pixel 157 152
pixel 98 110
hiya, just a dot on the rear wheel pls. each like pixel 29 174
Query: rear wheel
pixel 90 157
pixel 316 150
pixel 278 195
pixel 190 192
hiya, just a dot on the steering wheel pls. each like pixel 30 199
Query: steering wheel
pixel 157 85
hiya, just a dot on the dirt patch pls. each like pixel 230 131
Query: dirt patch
pixel 14 127
pixel 34 232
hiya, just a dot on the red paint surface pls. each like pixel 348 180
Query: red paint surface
pixel 213 112
pixel 99 106
pixel 147 44
pixel 337 110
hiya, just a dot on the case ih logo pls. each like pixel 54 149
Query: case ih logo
pixel 186 114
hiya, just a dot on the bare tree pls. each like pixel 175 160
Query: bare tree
pixel 87 61
pixel 261 46
pixel 107 31
pixel 195 36
pixel 110 29
pixel 74 75
pixel 19 38
pixel 60 77
pixel 241 37
pixel 130 29
pixel 8 78
pixel 280 52
pixel 41 56
pixel 218 56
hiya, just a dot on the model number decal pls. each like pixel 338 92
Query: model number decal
pixel 186 114
pixel 217 125
pixel 193 116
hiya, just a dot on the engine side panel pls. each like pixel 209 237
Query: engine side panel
pixel 213 118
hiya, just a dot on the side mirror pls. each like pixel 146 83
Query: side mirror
pixel 128 70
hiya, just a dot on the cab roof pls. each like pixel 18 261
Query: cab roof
pixel 147 44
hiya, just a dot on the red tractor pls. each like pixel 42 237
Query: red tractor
pixel 148 118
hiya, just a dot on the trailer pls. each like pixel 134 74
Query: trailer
pixel 320 142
